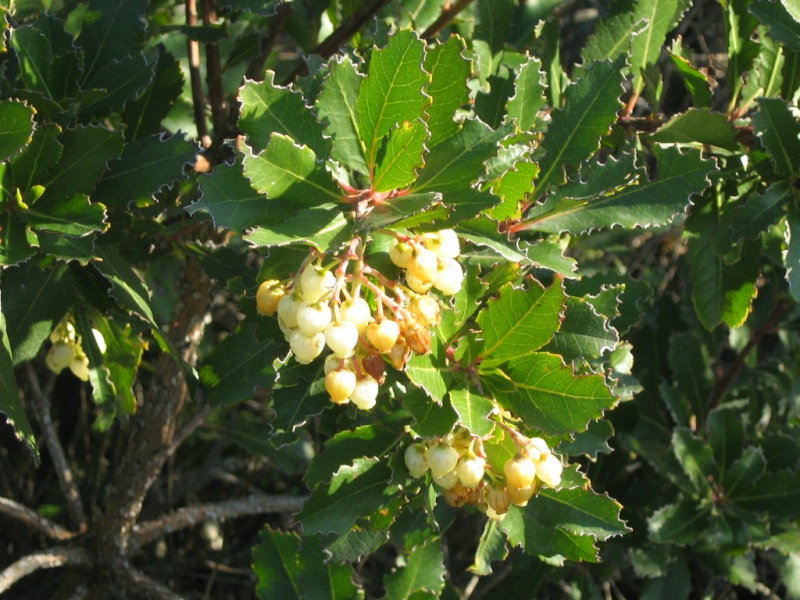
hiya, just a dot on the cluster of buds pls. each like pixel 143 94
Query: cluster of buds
pixel 67 350
pixel 458 465
pixel 327 307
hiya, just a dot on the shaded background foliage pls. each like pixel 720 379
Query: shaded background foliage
pixel 112 113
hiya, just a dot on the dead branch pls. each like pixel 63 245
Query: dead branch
pixel 40 403
pixel 33 521
pixel 193 515
pixel 49 559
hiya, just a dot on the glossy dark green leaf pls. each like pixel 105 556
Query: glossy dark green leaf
pixel 16 240
pixel 542 391
pixel 473 410
pixel 491 547
pixel 286 170
pixel 237 367
pixel 84 158
pixel 146 166
pixel 430 418
pixel 40 298
pixel 529 95
pixel 423 572
pixel 574 133
pixel 698 126
pixel 392 92
pixel 783 26
pixel 32 164
pixel 269 109
pixel 761 211
pixel 678 523
pixel 336 109
pixel 49 63
pixel 112 31
pixel 336 506
pixel 16 127
pixel 779 130
pixel 661 16
pixel 323 227
pixel 520 322
pixel 523 529
pixel 691 368
pixel 427 371
pixel 447 89
pixel 122 81
pixel 401 156
pixel 776 494
pixel 67 247
pixel 10 404
pixel 696 459
pixel 232 202
pixel 70 216
pixel 583 333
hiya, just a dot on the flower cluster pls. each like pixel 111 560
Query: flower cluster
pixel 67 350
pixel 328 306
pixel 458 465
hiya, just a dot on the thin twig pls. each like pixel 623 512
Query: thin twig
pixel 32 520
pixel 729 376
pixel 192 515
pixel 341 34
pixel 40 403
pixel 445 19
pixel 49 559
pixel 216 90
pixel 198 96
pixel 255 68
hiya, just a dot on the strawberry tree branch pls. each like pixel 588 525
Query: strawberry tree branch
pixel 255 68
pixel 198 96
pixel 341 34
pixel 49 559
pixel 193 515
pixel 447 17
pixel 32 520
pixel 40 403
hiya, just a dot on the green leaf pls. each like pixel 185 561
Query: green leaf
pixel 112 31
pixel 124 349
pixel 401 209
pixel 579 511
pixel 231 201
pixel 426 371
pixel 513 187
pixel 126 286
pixel 743 49
pixel 69 216
pixel 726 435
pixel 84 158
pixel 519 322
pixel 447 88
pixel 40 298
pixel 750 466
pixel 491 547
pixel 336 506
pixel 783 26
pixel 482 232
pixel 10 403
pixel 491 107
pixel 720 292
pixel 400 156
pixel 583 333
pixel 392 92
pixel 591 442
pixel 523 529
pixel 430 418
pixel 791 255
pixel 547 395
pixel 323 227
pixel 529 96
pixel 121 82
pixel 678 523
pixel 146 165
pixel 367 441
pixel 239 365
pixel 300 395
pixel 32 164
pixel 612 37
pixel 646 204
pixel 336 108
pixel 662 16
pixel 695 80
pixel 143 115
pixel 268 109
pixel 104 393
pixel 761 211
pixel 698 126
pixel 691 368
pixel 291 567
pixel 286 170
pixel 779 130
pixel 16 127
pixel 424 572
pixel 16 240
pixel 696 459
pixel 574 133
pixel 776 494
pixel 473 411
